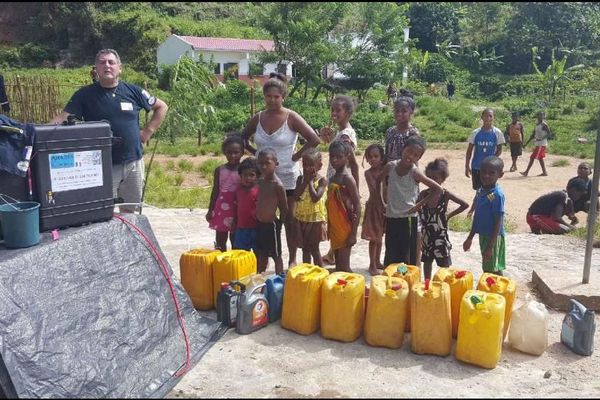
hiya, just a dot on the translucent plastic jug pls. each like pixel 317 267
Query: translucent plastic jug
pixel 578 329
pixel 195 269
pixel 342 306
pixel 480 330
pixel 501 285
pixel 386 312
pixel 275 285
pixel 529 327
pixel 301 310
pixel 411 274
pixel 430 313
pixel 459 281
pixel 232 265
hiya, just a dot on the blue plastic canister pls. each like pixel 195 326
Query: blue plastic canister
pixel 578 329
pixel 20 224
pixel 275 284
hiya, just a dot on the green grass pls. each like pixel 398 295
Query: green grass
pixel 581 232
pixel 164 190
pixel 461 223
pixel 207 169
pixel 561 163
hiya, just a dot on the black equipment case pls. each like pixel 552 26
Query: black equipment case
pixel 72 174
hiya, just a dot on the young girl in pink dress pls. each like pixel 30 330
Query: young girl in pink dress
pixel 221 210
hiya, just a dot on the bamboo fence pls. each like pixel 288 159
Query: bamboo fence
pixel 34 99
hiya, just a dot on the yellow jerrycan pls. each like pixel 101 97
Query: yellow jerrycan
pixel 431 330
pixel 500 285
pixel 301 311
pixel 459 281
pixel 411 274
pixel 342 306
pixel 479 339
pixel 195 269
pixel 232 265
pixel 386 312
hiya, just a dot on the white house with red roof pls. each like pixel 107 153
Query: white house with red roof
pixel 235 55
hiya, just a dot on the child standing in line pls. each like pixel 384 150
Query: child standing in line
pixel 401 224
pixel 488 220
pixel 245 203
pixel 271 197
pixel 434 221
pixel 374 222
pixel 343 206
pixel 514 133
pixel 226 179
pixel 541 132
pixel 310 211
pixel 396 136
pixel 483 142
pixel 342 108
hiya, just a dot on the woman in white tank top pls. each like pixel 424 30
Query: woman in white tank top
pixel 278 127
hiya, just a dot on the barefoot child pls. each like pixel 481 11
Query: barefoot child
pixel 488 220
pixel 374 222
pixel 245 206
pixel 226 179
pixel 514 133
pixel 343 206
pixel 541 133
pixel 342 108
pixel 434 221
pixel 401 224
pixel 271 197
pixel 310 211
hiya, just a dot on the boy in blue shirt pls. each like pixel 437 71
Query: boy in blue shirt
pixel 483 142
pixel 488 220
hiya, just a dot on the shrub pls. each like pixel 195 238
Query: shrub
pixel 580 104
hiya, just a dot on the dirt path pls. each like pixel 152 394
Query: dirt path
pixel 274 362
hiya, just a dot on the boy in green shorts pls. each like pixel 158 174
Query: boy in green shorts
pixel 488 220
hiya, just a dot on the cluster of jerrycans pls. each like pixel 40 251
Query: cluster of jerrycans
pixel 398 302
pixel 228 282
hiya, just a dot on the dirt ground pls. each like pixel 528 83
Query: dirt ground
pixel 274 362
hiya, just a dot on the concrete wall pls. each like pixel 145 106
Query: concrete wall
pixel 170 50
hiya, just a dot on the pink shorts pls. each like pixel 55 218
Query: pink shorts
pixel 539 152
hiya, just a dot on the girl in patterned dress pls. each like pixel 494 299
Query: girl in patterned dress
pixel 434 221
pixel 221 210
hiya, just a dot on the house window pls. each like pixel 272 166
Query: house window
pixel 282 68
pixel 231 70
pixel 255 69
pixel 217 69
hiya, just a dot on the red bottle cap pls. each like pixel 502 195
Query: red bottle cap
pixel 342 281
pixel 426 284
pixel 397 287
pixel 459 274
pixel 490 281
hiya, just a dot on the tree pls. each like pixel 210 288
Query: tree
pixel 371 39
pixel 301 33
pixel 432 23
pixel 191 83
pixel 556 74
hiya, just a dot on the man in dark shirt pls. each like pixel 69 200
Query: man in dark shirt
pixel 119 103
pixel 545 213
pixel 450 88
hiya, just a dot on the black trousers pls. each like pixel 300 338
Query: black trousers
pixel 400 240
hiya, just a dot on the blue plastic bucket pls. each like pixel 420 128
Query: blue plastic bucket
pixel 20 224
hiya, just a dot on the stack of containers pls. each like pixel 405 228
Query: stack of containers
pixel 342 307
pixel 195 269
pixel 500 285
pixel 232 265
pixel 431 330
pixel 301 311
pixel 411 274
pixel 480 338
pixel 459 281
pixel 386 312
